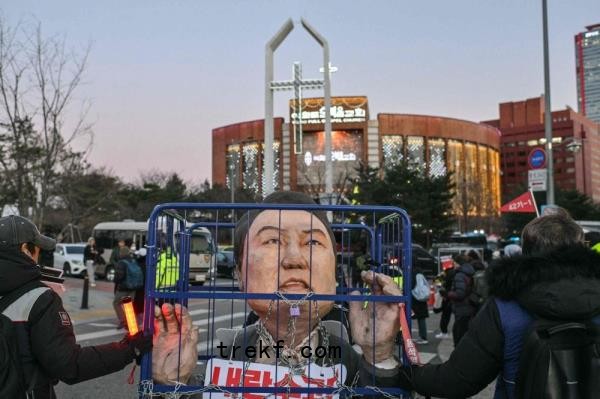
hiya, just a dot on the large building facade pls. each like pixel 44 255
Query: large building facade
pixel 576 147
pixel 438 146
pixel 587 58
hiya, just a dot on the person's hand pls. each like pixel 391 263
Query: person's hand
pixel 138 344
pixel 173 330
pixel 386 324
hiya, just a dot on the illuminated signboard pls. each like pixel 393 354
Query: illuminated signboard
pixel 347 152
pixel 343 110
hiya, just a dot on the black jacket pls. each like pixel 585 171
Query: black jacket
pixel 47 341
pixel 462 285
pixel 88 253
pixel 419 308
pixel 561 285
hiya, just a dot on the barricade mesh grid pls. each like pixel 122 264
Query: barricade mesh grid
pixel 290 294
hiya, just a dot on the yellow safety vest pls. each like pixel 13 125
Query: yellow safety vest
pixel 167 270
pixel 398 281
pixel 596 248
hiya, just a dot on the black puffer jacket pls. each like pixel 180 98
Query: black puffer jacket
pixel 561 285
pixel 461 289
pixel 47 341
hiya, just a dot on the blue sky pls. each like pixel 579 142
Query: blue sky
pixel 163 74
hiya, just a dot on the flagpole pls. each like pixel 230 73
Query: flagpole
pixel 537 212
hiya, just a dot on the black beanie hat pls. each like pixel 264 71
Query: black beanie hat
pixel 278 197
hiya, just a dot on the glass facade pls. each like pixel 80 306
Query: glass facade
pixel 233 166
pixel 415 152
pixel 276 159
pixel 246 161
pixel 393 150
pixel 587 56
pixel 475 169
pixel 250 164
pixel 437 158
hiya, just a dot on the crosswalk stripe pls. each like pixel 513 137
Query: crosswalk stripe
pixel 201 323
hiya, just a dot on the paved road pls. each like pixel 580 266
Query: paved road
pixel 97 325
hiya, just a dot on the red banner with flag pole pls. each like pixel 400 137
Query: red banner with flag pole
pixel 524 203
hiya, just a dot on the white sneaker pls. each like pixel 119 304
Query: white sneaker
pixel 442 335
pixel 420 341
pixel 93 285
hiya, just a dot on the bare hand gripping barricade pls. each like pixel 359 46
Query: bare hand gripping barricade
pixel 285 328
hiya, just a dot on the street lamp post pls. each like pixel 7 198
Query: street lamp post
pixel 548 111
pixel 232 186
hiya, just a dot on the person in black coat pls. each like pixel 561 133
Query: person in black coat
pixel 447 278
pixel 462 285
pixel 420 311
pixel 46 342
pixel 557 277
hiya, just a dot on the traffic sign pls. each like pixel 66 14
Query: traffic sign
pixel 537 179
pixel 537 158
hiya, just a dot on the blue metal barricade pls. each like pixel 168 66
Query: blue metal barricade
pixel 177 237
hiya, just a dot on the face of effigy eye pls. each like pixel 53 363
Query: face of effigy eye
pixel 289 251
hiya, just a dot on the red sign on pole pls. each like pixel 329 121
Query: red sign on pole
pixel 524 203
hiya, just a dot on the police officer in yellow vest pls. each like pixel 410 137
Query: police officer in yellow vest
pixel 167 269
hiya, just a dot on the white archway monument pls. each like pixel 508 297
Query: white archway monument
pixel 271 86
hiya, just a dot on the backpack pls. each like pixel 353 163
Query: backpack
pixel 12 379
pixel 479 289
pixel 134 278
pixel 421 291
pixel 560 359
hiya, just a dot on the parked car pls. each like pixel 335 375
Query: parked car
pixel 226 264
pixel 69 258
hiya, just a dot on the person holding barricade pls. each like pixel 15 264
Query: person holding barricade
pixel 36 332
pixel 538 334
pixel 290 252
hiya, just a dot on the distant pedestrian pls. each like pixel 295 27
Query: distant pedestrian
pixel 128 279
pixel 462 286
pixel 138 302
pixel 114 255
pixel 512 250
pixel 447 278
pixel 420 295
pixel 90 256
pixel 593 239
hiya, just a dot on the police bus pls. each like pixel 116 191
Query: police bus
pixel 108 234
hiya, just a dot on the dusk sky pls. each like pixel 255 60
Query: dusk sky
pixel 163 74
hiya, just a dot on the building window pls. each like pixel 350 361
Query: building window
pixel 233 161
pixel 437 158
pixel 250 173
pixel 415 152
pixel 392 148
pixel 276 163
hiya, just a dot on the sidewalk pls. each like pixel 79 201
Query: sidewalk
pixel 100 300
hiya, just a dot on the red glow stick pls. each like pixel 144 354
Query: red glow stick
pixel 132 325
pixel 409 346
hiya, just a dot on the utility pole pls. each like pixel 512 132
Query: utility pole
pixel 548 110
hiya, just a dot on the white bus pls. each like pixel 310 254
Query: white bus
pixel 108 234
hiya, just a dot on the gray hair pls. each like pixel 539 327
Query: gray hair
pixel 549 233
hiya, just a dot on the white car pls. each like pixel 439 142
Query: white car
pixel 69 258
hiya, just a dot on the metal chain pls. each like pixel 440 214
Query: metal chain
pixel 291 359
